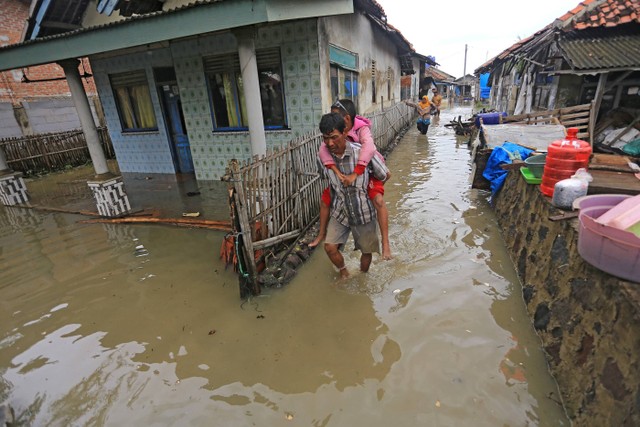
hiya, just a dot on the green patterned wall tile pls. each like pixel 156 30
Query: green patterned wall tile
pixel 292 85
pixel 291 68
pixel 314 67
pixel 301 30
pixel 305 84
pixel 293 101
pixel 288 51
pixel 302 50
pixel 303 67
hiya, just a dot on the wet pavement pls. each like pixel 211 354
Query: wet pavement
pixel 161 195
pixel 118 324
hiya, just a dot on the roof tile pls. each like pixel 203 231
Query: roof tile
pixel 603 13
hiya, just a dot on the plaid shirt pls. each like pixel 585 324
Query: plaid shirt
pixel 351 205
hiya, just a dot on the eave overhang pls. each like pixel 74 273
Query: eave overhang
pixel 153 28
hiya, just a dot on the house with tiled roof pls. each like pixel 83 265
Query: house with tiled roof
pixel 591 54
pixel 442 80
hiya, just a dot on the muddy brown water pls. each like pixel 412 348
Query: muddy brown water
pixel 104 324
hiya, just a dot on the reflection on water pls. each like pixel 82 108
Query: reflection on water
pixel 109 324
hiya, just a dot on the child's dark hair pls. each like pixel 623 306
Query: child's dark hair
pixel 345 106
pixel 331 121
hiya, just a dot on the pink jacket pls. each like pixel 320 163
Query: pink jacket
pixel 360 133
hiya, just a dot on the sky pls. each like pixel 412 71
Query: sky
pixel 442 28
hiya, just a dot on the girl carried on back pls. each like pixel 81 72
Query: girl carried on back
pixel 359 131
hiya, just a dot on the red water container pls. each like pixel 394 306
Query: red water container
pixel 564 158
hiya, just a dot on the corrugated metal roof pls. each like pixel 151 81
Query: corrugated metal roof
pixel 584 51
pixel 509 51
pixel 588 15
pixel 371 6
pixel 150 15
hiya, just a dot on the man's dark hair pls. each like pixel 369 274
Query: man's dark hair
pixel 345 106
pixel 331 121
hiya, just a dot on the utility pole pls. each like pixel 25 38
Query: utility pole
pixel 464 72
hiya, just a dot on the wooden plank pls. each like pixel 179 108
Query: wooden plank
pixel 581 107
pixel 575 122
pixel 609 159
pixel 613 182
pixel 584 114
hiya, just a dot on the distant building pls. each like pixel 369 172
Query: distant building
pixel 35 99
pixel 442 80
pixel 589 54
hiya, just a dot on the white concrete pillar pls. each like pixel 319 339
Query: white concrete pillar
pixel 251 88
pixel 13 191
pixel 110 196
pixel 70 67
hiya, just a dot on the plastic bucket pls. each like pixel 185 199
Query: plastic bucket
pixel 489 118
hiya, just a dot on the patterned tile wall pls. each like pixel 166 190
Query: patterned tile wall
pixel 301 67
pixel 149 152
pixel 145 152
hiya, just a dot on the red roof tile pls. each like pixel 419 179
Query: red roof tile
pixel 602 13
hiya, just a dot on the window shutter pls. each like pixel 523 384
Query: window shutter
pixel 268 58
pixel 132 78
pixel 221 64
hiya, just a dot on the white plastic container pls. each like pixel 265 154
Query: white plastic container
pixel 568 190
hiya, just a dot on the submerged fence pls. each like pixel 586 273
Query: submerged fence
pixel 47 152
pixel 276 198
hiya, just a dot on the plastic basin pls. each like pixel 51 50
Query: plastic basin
pixel 605 200
pixel 536 164
pixel 609 249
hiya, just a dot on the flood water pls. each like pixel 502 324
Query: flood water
pixel 113 324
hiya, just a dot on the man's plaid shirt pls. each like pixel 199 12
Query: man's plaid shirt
pixel 351 205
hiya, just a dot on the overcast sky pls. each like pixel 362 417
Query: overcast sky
pixel 442 28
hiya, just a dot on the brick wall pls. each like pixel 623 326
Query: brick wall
pixel 13 16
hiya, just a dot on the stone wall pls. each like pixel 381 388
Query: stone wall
pixel 588 320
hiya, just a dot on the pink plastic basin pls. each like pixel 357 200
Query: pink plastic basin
pixel 609 249
pixel 599 200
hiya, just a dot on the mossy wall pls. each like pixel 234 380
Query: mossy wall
pixel 588 320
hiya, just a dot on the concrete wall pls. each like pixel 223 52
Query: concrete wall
pixel 41 116
pixel 8 125
pixel 150 152
pixel 356 33
pixel 304 48
pixel 142 152
pixel 588 320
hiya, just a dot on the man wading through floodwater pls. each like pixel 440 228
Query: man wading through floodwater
pixel 351 208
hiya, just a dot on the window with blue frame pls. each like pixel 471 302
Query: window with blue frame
pixel 344 84
pixel 133 101
pixel 226 91
pixel 344 78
